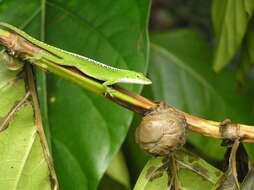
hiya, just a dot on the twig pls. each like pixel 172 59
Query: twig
pixel 121 96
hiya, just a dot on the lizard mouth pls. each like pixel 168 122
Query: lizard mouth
pixel 136 81
pixel 146 81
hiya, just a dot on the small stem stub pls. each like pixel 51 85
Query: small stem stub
pixel 162 131
pixel 229 131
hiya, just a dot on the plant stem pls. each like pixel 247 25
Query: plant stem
pixel 122 96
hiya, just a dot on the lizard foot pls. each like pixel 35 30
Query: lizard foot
pixel 32 58
pixel 109 91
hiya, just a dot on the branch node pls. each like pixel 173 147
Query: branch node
pixel 229 131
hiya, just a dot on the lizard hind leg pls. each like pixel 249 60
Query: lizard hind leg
pixel 33 58
pixel 36 58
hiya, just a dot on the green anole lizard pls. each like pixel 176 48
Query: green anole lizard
pixel 110 75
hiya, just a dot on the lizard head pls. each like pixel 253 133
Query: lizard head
pixel 135 78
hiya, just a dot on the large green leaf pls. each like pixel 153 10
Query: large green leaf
pixel 182 76
pixel 86 131
pixel 118 170
pixel 23 165
pixel 230 19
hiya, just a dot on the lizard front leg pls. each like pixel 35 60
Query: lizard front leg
pixel 109 90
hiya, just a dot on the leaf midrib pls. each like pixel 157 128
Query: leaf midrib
pixel 187 69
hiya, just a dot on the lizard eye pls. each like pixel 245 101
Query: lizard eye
pixel 138 76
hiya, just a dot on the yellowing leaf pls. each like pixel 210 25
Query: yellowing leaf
pixel 22 162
